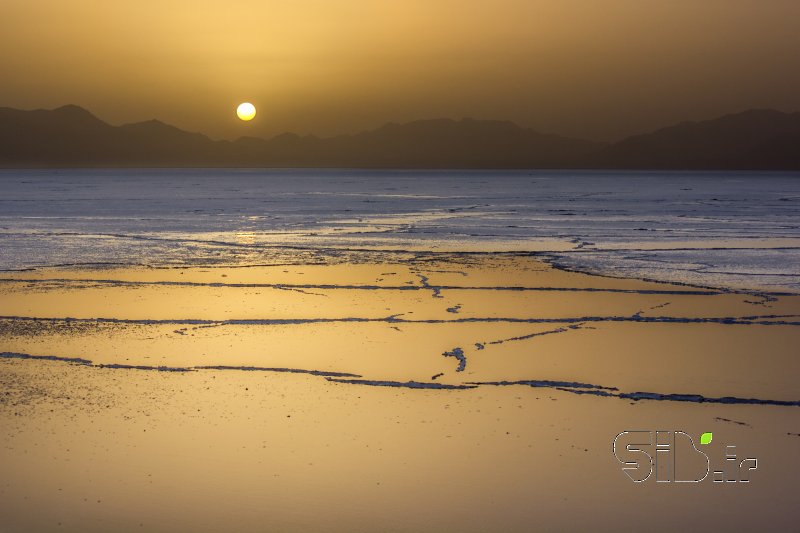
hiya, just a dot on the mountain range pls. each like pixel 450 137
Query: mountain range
pixel 71 136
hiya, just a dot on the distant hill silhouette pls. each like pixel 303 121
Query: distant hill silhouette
pixel 70 136
pixel 755 139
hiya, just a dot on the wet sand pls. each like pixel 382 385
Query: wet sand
pixel 392 392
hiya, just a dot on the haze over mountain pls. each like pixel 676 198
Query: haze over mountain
pixel 71 136
pixel 602 69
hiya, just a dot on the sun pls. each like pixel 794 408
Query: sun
pixel 246 111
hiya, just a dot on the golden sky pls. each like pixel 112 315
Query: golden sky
pixel 591 68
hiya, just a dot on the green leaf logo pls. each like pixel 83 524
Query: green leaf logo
pixel 705 438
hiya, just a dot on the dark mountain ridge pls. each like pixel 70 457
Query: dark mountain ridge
pixel 71 136
pixel 754 139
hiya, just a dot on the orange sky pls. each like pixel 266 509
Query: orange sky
pixel 592 68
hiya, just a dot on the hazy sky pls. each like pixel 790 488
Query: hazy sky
pixel 592 68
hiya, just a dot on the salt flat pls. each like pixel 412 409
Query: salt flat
pixel 400 351
pixel 449 391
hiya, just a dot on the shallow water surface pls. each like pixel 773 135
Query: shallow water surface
pixel 732 229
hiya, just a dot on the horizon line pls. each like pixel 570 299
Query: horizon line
pixel 396 123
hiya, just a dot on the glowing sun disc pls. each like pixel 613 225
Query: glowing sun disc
pixel 246 111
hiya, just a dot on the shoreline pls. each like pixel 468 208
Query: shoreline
pixel 551 258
